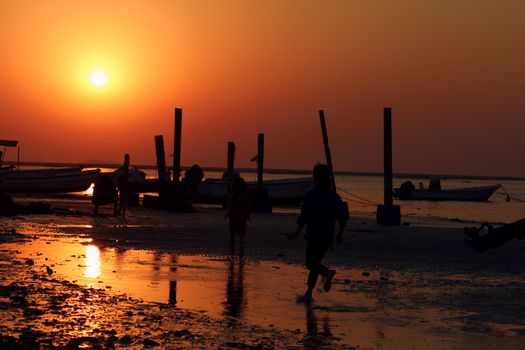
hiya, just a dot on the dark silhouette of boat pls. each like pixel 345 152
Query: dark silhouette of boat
pixel 407 191
pixel 48 180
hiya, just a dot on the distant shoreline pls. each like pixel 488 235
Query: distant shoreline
pixel 281 171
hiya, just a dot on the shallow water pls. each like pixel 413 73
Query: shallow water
pixel 372 309
pixel 369 192
pixel 363 193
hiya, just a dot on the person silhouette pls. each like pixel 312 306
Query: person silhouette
pixel 104 192
pixel 321 208
pixel 238 212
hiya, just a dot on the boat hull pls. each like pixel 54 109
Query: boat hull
pixel 283 191
pixel 470 194
pixel 48 181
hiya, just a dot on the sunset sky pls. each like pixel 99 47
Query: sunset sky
pixel 453 72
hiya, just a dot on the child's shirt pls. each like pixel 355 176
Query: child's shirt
pixel 321 209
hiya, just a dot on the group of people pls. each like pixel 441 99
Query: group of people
pixel 106 191
pixel 321 209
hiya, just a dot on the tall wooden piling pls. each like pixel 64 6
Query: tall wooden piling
pixel 259 197
pixel 260 159
pixel 177 142
pixel 387 158
pixel 231 158
pixel 327 152
pixel 161 160
pixel 388 214
pixel 126 167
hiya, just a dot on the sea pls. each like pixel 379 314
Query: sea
pixel 364 192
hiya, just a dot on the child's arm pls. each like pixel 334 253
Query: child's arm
pixel 302 219
pixel 342 218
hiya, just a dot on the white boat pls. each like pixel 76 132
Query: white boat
pixel 48 180
pixel 280 191
pixel 472 194
pixel 46 172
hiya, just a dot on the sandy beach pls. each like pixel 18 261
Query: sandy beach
pixel 167 280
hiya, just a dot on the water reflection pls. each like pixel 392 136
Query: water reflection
pixel 235 302
pixel 92 262
pixel 315 339
pixel 172 299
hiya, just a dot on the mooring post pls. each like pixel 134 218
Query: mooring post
pixel 387 149
pixel 328 155
pixel 126 167
pixel 259 197
pixel 177 145
pixel 260 159
pixel 161 161
pixel 231 158
pixel 388 214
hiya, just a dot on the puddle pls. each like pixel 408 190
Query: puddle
pixel 241 290
pixel 375 309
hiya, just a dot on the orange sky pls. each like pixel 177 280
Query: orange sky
pixel 451 70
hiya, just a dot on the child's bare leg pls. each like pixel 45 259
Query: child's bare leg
pixel 307 297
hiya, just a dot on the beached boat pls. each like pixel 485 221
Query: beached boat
pixel 472 194
pixel 5 170
pixel 48 180
pixel 280 191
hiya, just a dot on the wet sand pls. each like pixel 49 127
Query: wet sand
pixel 162 279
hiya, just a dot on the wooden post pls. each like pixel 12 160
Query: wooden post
pixel 328 155
pixel 1 157
pixel 259 197
pixel 161 160
pixel 126 167
pixel 260 159
pixel 387 149
pixel 231 157
pixel 388 214
pixel 177 145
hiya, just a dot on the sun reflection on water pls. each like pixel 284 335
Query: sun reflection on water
pixel 92 262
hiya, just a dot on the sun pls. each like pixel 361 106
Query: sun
pixel 98 79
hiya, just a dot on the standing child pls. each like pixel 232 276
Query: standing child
pixel 238 212
pixel 321 209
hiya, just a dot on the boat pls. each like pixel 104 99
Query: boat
pixel 5 170
pixel 48 180
pixel 407 191
pixel 214 191
pixel 45 172
pixel 280 191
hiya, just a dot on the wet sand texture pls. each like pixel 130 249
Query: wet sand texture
pixel 396 288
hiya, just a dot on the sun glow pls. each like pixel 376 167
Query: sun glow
pixel 98 79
